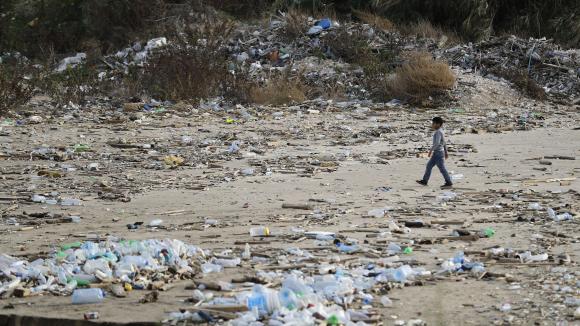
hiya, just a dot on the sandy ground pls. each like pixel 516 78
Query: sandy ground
pixel 210 186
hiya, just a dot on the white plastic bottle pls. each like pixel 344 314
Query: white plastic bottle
pixel 261 231
pixel 86 296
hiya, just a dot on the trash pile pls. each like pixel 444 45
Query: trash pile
pixel 137 264
pixel 301 297
pixel 553 68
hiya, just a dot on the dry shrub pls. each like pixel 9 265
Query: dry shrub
pixel 352 46
pixel 193 67
pixel 421 77
pixel 421 29
pixel 243 9
pixel 523 82
pixel 296 24
pixel 16 86
pixel 279 90
pixel 374 20
pixel 73 85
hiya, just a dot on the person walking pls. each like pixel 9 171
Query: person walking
pixel 437 155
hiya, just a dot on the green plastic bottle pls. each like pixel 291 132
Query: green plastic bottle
pixel 68 246
pixel 489 232
pixel 332 320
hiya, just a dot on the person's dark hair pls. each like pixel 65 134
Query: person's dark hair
pixel 438 120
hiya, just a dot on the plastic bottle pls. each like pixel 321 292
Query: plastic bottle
pixel 247 171
pixel 534 206
pixel 386 302
pixel 377 212
pixel 38 198
pixel 264 300
pixel 247 254
pixel 234 147
pixel 288 299
pixel 457 177
pixel 70 202
pixel 227 262
pixel 70 286
pixel 94 265
pixel 156 222
pixel 393 248
pixel 459 258
pixel 528 257
pixel 86 296
pixel 296 285
pixel 61 275
pixel 346 248
pixel 325 237
pixel 211 268
pixel 137 261
pixel 261 231
pixel 506 307
pixel 403 273
pixel 488 232
pixel 366 298
pixel 332 320
pixel 186 140
pixel 563 217
pixel 91 250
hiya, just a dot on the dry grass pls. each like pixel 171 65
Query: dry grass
pixel 421 77
pixel 279 90
pixel 376 21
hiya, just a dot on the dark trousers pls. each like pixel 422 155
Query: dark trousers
pixel 438 158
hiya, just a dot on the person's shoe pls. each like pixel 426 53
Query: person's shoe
pixel 422 182
pixel 447 186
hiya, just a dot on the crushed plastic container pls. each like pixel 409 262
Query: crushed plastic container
pixel 377 212
pixel 535 206
pixel 156 222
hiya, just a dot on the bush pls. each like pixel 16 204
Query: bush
pixel 195 67
pixel 279 90
pixel 421 77
pixel 73 85
pixel 295 25
pixel 352 46
pixel 374 20
pixel 523 82
pixel 17 84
